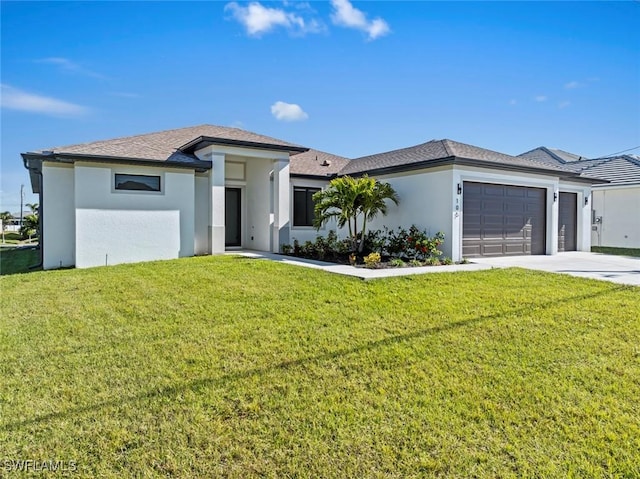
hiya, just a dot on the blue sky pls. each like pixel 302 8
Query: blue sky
pixel 349 78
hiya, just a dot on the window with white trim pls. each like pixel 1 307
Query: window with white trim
pixel 303 205
pixel 137 182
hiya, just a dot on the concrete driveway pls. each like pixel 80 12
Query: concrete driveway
pixel 618 269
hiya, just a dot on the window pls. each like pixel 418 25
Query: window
pixel 303 206
pixel 137 182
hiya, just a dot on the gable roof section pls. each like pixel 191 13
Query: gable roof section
pixel 316 163
pixel 170 147
pixel 617 170
pixel 441 152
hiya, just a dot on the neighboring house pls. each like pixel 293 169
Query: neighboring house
pixel 616 204
pixel 205 189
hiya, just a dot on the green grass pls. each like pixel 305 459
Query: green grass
pixel 17 260
pixel 236 367
pixel 616 251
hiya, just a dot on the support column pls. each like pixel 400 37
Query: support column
pixel 217 206
pixel 280 228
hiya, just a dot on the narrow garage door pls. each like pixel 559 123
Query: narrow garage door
pixel 567 221
pixel 500 220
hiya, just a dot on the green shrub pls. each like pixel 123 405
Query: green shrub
pixel 416 263
pixel 433 261
pixel 397 263
pixel 286 249
pixel 447 260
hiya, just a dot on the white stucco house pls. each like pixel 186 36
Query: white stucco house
pixel 615 205
pixel 205 189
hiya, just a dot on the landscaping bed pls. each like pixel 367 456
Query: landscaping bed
pixel 380 249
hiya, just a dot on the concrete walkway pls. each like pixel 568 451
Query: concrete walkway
pixel 618 269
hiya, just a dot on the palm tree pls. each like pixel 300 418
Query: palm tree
pixel 374 202
pixel 33 207
pixel 5 217
pixel 347 198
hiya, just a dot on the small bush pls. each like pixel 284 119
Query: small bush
pixel 465 261
pixel 447 261
pixel 397 263
pixel 372 260
pixel 286 249
pixel 433 261
pixel 416 263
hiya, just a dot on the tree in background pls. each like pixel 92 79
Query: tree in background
pixel 353 202
pixel 5 217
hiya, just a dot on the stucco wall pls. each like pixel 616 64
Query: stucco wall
pixel 619 208
pixel 201 214
pixel 425 199
pixel 59 218
pixel 257 198
pixel 129 226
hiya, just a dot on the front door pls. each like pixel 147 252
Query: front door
pixel 232 217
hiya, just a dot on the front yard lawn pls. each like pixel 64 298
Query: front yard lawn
pixel 617 251
pixel 238 367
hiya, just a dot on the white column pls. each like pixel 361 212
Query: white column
pixel 584 221
pixel 280 227
pixel 217 207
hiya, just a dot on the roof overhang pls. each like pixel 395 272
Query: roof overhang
pixel 204 141
pixel 193 164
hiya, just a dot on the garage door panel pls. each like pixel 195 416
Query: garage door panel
pixel 567 222
pixel 511 220
pixel 493 190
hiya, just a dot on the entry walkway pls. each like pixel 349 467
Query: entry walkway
pixel 617 269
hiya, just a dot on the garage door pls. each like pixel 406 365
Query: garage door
pixel 500 220
pixel 567 221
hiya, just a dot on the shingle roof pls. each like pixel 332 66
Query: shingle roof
pixel 618 170
pixel 421 155
pixel 551 155
pixel 316 163
pixel 164 145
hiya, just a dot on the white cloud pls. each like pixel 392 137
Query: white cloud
pixel 288 111
pixel 541 98
pixel 16 99
pixel 258 19
pixel 564 104
pixel 347 15
pixel 69 66
pixel 572 85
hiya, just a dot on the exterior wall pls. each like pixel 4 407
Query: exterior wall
pixel 309 233
pixel 583 233
pixel 550 183
pixel 425 199
pixel 130 226
pixel 256 202
pixel 201 214
pixel 58 220
pixel 619 208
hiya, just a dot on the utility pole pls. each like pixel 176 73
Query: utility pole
pixel 21 203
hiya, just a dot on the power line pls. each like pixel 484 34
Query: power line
pixel 618 152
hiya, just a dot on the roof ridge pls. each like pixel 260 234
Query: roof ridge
pixel 555 156
pixel 445 145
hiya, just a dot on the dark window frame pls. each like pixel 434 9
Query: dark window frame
pixel 303 214
pixel 151 189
